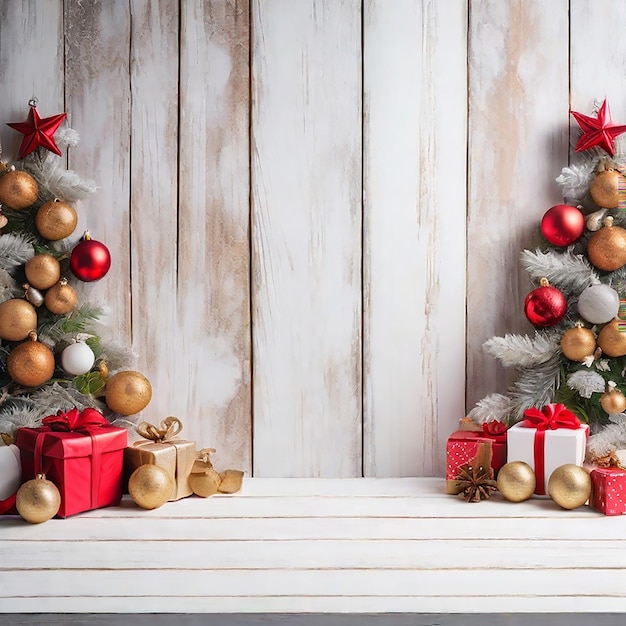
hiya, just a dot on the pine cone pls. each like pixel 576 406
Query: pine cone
pixel 476 477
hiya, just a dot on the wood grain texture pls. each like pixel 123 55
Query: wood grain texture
pixel 210 367
pixel 31 65
pixel 518 110
pixel 415 79
pixel 306 212
pixel 154 199
pixel 597 59
pixel 257 563
pixel 97 102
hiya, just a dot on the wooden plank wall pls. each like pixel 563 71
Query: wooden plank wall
pixel 315 207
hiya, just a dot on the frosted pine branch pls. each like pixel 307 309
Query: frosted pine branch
pixel 15 250
pixel 612 437
pixel 586 383
pixel 523 351
pixel 567 271
pixel 493 407
pixel 536 386
pixel 575 179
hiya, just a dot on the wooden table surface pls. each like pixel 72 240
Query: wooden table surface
pixel 292 546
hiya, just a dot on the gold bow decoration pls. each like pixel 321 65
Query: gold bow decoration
pixel 609 460
pixel 170 428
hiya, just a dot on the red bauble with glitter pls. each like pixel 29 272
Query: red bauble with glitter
pixel 90 260
pixel 563 224
pixel 545 306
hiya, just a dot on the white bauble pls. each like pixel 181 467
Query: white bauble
pixel 10 470
pixel 78 358
pixel 598 304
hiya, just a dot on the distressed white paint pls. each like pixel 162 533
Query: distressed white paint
pixel 415 61
pixel 169 559
pixel 209 384
pixel 306 237
pixel 518 114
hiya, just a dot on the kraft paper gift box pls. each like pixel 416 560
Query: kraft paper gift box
pixel 546 440
pixel 462 447
pixel 608 490
pixel 81 453
pixel 160 446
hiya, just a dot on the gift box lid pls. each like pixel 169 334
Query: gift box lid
pixel 67 445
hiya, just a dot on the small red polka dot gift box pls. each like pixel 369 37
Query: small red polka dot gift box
pixel 608 490
pixel 462 447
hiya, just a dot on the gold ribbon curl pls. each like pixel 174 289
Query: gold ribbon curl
pixel 170 427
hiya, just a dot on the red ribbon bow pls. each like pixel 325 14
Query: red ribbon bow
pixel 551 417
pixel 494 428
pixel 75 420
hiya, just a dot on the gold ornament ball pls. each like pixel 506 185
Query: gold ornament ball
pixel 31 363
pixel 18 190
pixel 604 189
pixel 128 392
pixel 578 343
pixel 516 481
pixel 613 401
pixel 611 340
pixel 150 486
pixel 38 500
pixel 205 483
pixel 42 271
pixel 606 248
pixel 17 318
pixel 56 220
pixel 61 298
pixel 569 486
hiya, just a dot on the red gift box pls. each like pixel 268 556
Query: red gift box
pixel 462 447
pixel 608 490
pixel 81 453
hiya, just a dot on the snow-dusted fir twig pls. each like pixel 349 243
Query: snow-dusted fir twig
pixel 493 407
pixel 567 271
pixel 15 249
pixel 8 286
pixel 610 438
pixel 523 351
pixel 535 386
pixel 586 383
pixel 575 179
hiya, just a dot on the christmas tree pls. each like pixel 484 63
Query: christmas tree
pixel 577 353
pixel 54 353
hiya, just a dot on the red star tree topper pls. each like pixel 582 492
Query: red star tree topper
pixel 598 131
pixel 38 131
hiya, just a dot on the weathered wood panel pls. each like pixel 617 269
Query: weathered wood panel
pixel 154 198
pixel 306 212
pixel 97 102
pixel 31 64
pixel 414 59
pixel 210 368
pixel 518 110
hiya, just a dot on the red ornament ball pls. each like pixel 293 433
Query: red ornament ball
pixel 90 260
pixel 545 306
pixel 563 224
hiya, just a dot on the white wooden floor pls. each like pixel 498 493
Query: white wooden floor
pixel 319 546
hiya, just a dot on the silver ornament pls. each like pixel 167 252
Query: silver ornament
pixel 34 296
pixel 598 304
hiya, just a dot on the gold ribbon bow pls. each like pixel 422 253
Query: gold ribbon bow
pixel 609 460
pixel 170 427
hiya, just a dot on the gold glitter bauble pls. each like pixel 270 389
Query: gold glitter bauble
pixel 150 486
pixel 516 481
pixel 569 486
pixel 42 271
pixel 128 392
pixel 31 363
pixel 606 248
pixel 38 500
pixel 56 220
pixel 604 188
pixel 613 401
pixel 18 190
pixel 578 343
pixel 61 298
pixel 205 483
pixel 17 319
pixel 611 340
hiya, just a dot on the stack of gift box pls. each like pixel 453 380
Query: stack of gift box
pixel 90 461
pixel 545 440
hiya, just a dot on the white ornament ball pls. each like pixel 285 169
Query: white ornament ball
pixel 10 470
pixel 598 304
pixel 78 358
